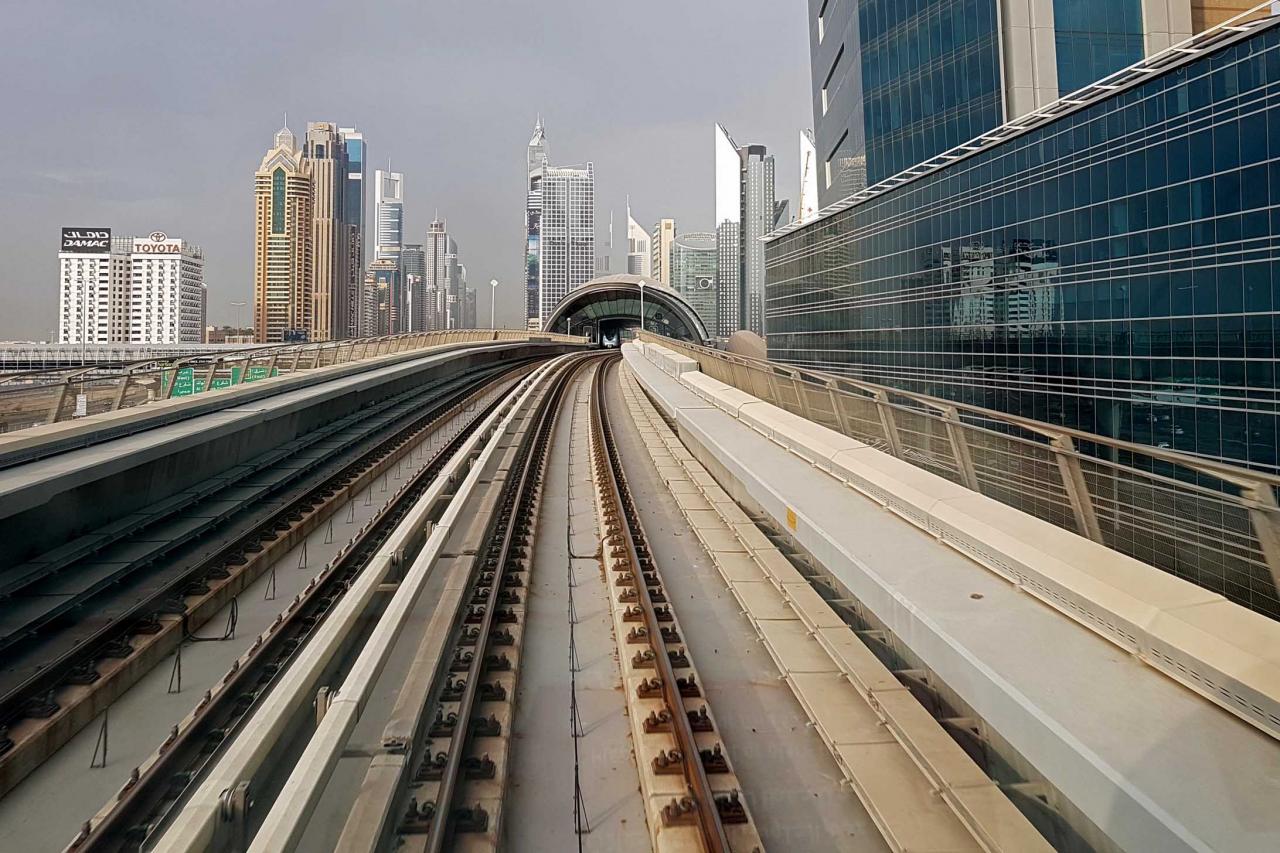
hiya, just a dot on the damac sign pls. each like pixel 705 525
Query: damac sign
pixel 156 243
pixel 86 240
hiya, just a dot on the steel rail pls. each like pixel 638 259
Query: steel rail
pixel 206 814
pixel 618 499
pixel 533 465
pixel 148 795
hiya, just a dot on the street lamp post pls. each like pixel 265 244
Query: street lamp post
pixel 239 317
pixel 493 301
pixel 642 305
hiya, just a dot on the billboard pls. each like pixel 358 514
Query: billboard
pixel 157 243
pixel 86 241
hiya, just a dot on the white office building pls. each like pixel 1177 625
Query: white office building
pixel 639 258
pixel 560 219
pixel 389 216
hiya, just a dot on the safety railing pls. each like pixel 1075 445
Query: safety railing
pixel 1213 524
pixel 44 397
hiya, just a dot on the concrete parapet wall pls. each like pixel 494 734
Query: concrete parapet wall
pixel 1225 652
pixel 59 497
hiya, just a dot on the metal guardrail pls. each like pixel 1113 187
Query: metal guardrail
pixel 33 398
pixel 1213 524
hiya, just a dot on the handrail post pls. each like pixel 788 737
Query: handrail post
pixel 888 423
pixel 297 354
pixel 960 448
pixel 772 379
pixel 801 395
pixel 56 412
pixel 1064 449
pixel 124 389
pixel 841 418
pixel 1266 526
pixel 208 377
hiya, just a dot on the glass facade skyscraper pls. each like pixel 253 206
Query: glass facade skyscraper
pixel 693 273
pixel 1093 38
pixel 1115 269
pixel 896 82
pixel 930 76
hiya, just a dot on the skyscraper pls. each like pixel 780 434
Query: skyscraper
pixel 693 273
pixel 536 160
pixel 664 232
pixel 413 267
pixel 283 267
pixel 746 210
pixel 895 83
pixel 560 220
pixel 353 209
pixel 388 215
pixel 436 249
pixel 639 258
pixel 455 287
pixel 326 156
pixel 807 208
pixel 387 293
pixel 1106 265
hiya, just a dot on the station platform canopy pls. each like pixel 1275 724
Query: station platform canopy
pixel 607 310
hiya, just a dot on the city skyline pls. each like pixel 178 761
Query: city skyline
pixel 468 162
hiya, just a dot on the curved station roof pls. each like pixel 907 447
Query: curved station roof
pixel 614 301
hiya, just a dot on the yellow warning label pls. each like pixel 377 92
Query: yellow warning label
pixel 791 519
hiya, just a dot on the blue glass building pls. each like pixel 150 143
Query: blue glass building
pixel 1114 269
pixel 896 82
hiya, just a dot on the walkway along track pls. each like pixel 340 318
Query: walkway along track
pixel 673 730
pixel 154 788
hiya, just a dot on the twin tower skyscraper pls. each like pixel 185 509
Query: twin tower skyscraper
pixel 309 237
pixel 312 281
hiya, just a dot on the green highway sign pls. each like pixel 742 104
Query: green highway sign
pixel 188 382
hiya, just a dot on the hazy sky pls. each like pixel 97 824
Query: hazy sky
pixel 144 115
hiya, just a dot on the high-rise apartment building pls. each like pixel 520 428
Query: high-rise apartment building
pixel 284 260
pixel 639 257
pixel 746 210
pixel 326 155
pixel 129 289
pixel 693 273
pixel 353 218
pixel 93 286
pixel 560 227
pixel 388 215
pixel 664 234
pixel 1108 265
pixel 896 82
pixel 167 298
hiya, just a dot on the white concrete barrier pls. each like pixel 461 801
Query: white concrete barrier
pixel 1225 652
